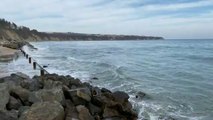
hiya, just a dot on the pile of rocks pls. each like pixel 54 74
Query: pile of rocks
pixel 54 97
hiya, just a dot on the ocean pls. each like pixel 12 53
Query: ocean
pixel 176 75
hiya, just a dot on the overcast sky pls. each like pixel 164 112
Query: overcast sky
pixel 167 18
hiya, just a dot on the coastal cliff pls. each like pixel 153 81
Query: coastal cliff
pixel 10 32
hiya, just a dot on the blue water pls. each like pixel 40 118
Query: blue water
pixel 176 75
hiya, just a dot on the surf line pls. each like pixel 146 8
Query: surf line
pixel 35 64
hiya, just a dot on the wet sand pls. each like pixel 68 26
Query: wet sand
pixel 7 54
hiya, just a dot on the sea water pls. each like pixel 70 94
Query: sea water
pixel 176 75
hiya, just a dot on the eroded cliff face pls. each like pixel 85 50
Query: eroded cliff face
pixel 10 32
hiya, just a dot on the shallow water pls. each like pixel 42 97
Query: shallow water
pixel 176 75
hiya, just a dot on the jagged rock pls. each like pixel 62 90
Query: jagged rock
pixel 94 110
pixel 21 75
pixel 104 90
pixel 8 115
pixel 108 113
pixel 44 111
pixel 84 93
pixel 4 95
pixel 48 95
pixel 13 103
pixel 140 95
pixel 79 96
pixel 22 94
pixel 96 91
pixel 120 96
pixel 15 78
pixel 70 111
pixel 115 118
pixel 22 109
pixel 75 82
pixel 84 113
pixel 49 84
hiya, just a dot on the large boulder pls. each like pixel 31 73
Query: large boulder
pixel 108 113
pixel 13 103
pixel 22 94
pixel 70 111
pixel 50 84
pixel 79 96
pixel 84 113
pixel 120 96
pixel 4 95
pixel 12 115
pixel 48 95
pixel 44 111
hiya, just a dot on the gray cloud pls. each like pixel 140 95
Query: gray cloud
pixel 112 17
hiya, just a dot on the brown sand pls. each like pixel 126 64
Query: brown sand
pixel 7 54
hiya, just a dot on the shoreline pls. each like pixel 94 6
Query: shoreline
pixel 8 54
pixel 57 97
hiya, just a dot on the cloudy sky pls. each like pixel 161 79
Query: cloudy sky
pixel 167 18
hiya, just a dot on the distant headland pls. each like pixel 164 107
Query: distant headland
pixel 9 31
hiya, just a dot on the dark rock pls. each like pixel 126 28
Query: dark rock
pixel 94 110
pixel 8 116
pixel 79 96
pixel 13 103
pixel 84 113
pixel 75 99
pixel 115 118
pixel 120 96
pixel 96 91
pixel 4 95
pixel 22 94
pixel 22 109
pixel 48 95
pixel 95 78
pixel 44 111
pixel 49 84
pixel 15 78
pixel 45 66
pixel 70 111
pixel 108 113
pixel 140 95
pixel 164 117
pixel 104 90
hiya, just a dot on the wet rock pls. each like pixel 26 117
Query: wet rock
pixel 8 116
pixel 22 94
pixel 94 110
pixel 84 113
pixel 84 93
pixel 15 78
pixel 49 84
pixel 44 111
pixel 164 117
pixel 72 94
pixel 13 103
pixel 96 91
pixel 70 111
pixel 48 95
pixel 4 95
pixel 104 90
pixel 22 109
pixel 95 78
pixel 75 82
pixel 79 96
pixel 140 95
pixel 21 75
pixel 120 96
pixel 108 113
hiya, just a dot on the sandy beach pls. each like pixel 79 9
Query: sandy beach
pixel 7 54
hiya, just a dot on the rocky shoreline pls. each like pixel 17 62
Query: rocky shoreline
pixel 54 97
